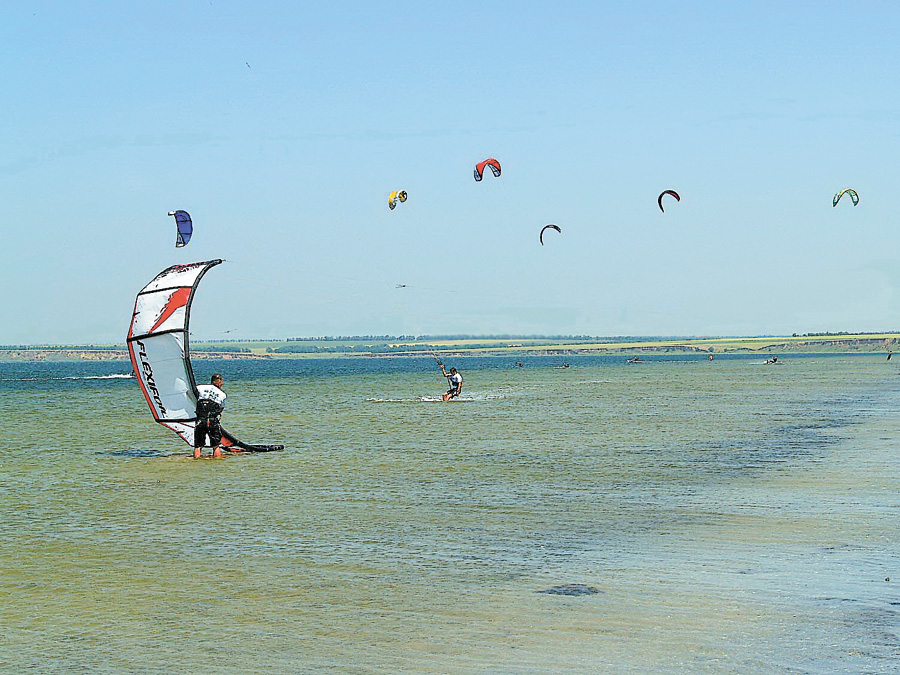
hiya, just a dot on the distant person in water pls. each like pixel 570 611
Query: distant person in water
pixel 210 404
pixel 455 380
pixel 889 354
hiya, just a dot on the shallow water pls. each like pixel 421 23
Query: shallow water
pixel 730 516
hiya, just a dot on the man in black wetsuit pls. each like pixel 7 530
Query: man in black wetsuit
pixel 210 404
pixel 455 381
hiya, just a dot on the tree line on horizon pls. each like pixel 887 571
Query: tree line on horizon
pixel 426 339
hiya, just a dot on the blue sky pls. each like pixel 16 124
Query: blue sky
pixel 282 127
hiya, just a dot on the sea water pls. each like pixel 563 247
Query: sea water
pixel 676 515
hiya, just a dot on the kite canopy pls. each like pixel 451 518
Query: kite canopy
pixel 663 194
pixel 395 197
pixel 853 196
pixel 551 226
pixel 160 355
pixel 491 162
pixel 183 226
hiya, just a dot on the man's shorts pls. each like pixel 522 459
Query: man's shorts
pixel 211 428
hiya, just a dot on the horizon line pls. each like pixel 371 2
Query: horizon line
pixel 495 336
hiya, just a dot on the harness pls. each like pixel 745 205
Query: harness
pixel 208 411
pixel 454 386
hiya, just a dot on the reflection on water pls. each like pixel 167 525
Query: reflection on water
pixel 696 516
pixel 142 452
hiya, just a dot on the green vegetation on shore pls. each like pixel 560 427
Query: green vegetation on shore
pixel 504 345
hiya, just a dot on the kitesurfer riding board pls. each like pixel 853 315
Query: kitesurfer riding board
pixel 455 380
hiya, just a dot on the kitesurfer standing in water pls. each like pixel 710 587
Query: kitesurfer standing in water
pixel 210 404
pixel 455 380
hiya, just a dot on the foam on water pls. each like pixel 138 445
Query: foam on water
pixel 113 376
pixel 472 398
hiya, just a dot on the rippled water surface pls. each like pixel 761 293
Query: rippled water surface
pixel 712 516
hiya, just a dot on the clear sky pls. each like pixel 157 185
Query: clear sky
pixel 282 127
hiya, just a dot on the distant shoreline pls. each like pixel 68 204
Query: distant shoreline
pixel 488 346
